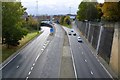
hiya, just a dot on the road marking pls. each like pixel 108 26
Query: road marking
pixel 37 58
pixel 26 78
pixel 85 60
pixel 33 64
pixel 48 41
pixel 106 70
pixel 98 60
pixel 29 73
pixel 9 61
pixel 31 68
pixel 73 64
pixel 91 72
pixel 42 49
pixel 17 67
pixel 44 44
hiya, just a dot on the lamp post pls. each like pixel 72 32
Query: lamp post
pixel 37 15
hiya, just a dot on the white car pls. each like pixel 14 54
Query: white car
pixel 79 39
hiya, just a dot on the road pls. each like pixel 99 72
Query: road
pixel 19 66
pixel 37 60
pixel 86 62
pixel 48 65
pixel 42 58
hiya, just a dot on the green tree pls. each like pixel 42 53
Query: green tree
pixel 87 11
pixel 62 20
pixel 99 8
pixel 67 20
pixel 32 23
pixel 12 22
pixel 111 11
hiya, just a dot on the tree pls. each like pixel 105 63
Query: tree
pixel 67 20
pixel 32 23
pixel 111 11
pixel 62 20
pixel 99 9
pixel 12 22
pixel 87 11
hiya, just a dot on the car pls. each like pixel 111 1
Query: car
pixel 79 39
pixel 74 34
pixel 69 33
pixel 72 30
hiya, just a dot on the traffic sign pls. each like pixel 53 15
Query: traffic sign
pixel 51 30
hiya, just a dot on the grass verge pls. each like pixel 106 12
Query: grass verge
pixel 8 52
pixel 68 26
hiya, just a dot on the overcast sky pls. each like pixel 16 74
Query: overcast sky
pixel 51 7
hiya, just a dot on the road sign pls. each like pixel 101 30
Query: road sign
pixel 51 30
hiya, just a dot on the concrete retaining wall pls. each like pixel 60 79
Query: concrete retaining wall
pixel 105 39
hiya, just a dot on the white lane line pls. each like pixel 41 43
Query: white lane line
pixel 9 61
pixel 37 57
pixel 74 65
pixel 26 78
pixel 106 70
pixel 29 73
pixel 48 41
pixel 44 44
pixel 17 67
pixel 42 49
pixel 33 64
pixel 31 68
pixel 98 60
pixel 85 60
pixel 91 72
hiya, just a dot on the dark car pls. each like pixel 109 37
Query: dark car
pixel 72 30
pixel 74 34
pixel 69 33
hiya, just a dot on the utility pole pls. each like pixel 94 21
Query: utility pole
pixel 37 15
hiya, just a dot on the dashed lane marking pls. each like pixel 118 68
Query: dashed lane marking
pixel 33 64
pixel 17 67
pixel 91 72
pixel 26 78
pixel 42 49
pixel 37 58
pixel 31 68
pixel 85 60
pixel 29 73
